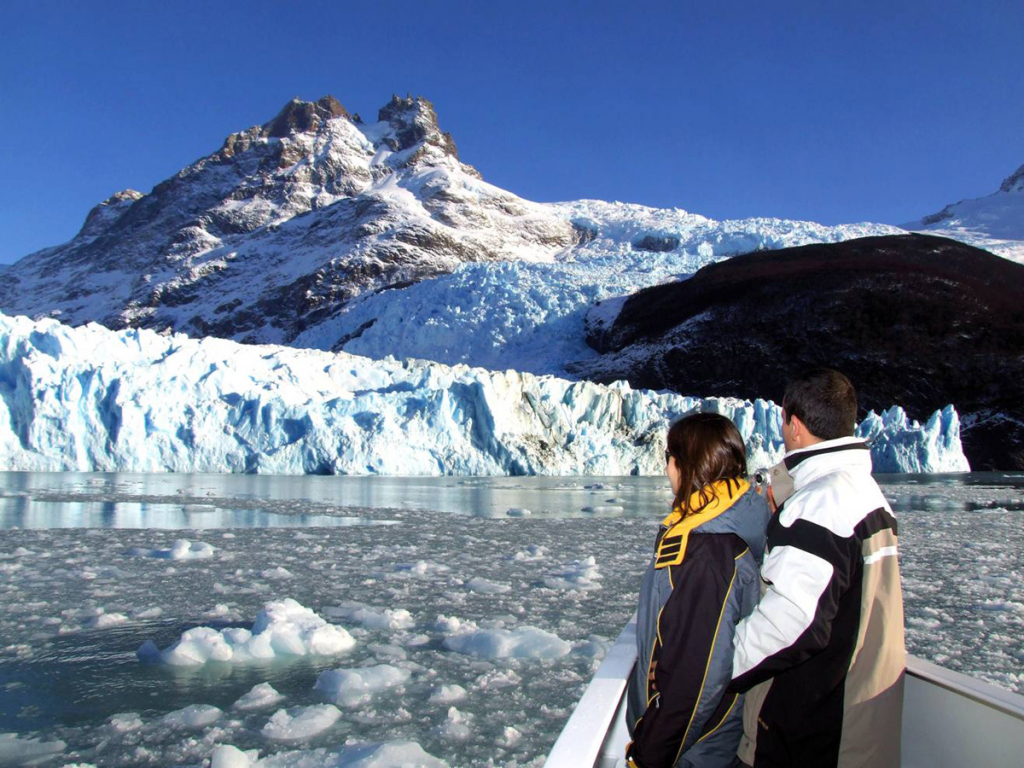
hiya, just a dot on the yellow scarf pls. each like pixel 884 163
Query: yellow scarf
pixel 672 547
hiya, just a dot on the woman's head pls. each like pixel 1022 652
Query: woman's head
pixel 701 449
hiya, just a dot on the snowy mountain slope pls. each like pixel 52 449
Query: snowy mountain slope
pixel 994 222
pixel 271 237
pixel 530 316
pixel 286 221
pixel 98 400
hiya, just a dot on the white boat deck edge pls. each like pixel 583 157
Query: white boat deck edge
pixel 949 719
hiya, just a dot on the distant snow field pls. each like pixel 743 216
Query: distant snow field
pixel 468 639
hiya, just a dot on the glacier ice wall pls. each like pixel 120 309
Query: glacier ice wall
pixel 530 314
pixel 91 399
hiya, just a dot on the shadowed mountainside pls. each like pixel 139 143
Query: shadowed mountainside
pixel 917 320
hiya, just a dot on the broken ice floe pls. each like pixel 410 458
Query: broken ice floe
pixel 282 628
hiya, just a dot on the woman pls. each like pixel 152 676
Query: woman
pixel 702 580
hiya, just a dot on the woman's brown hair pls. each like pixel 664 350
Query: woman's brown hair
pixel 707 447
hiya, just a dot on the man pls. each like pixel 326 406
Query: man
pixel 822 655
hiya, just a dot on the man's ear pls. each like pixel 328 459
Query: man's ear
pixel 798 427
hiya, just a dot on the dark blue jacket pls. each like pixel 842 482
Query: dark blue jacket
pixel 702 580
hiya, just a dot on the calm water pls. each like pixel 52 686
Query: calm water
pixel 342 538
pixel 169 501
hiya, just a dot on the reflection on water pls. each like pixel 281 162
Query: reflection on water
pixel 170 501
pixel 173 501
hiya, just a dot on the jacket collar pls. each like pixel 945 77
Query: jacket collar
pixel 807 464
pixel 675 535
pixel 726 493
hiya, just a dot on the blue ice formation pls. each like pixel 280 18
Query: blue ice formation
pixel 92 399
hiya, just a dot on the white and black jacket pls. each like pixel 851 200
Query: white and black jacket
pixel 822 656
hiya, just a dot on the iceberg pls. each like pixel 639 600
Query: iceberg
pixel 95 400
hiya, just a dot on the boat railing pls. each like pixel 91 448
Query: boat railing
pixel 949 719
pixel 598 724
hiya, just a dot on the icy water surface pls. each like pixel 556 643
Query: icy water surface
pixel 482 627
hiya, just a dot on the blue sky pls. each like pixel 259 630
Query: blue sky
pixel 833 112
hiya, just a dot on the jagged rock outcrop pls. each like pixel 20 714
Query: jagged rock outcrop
pixel 1014 182
pixel 916 320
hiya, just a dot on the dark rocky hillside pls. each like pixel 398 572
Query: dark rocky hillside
pixel 916 320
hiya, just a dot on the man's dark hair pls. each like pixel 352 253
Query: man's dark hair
pixel 824 400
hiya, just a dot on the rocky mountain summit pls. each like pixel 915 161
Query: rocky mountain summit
pixel 282 224
pixel 917 320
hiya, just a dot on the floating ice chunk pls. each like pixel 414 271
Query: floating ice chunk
pixel 259 696
pixel 456 725
pixel 520 643
pixel 385 651
pixel 352 687
pixel 451 624
pixel 105 620
pixel 389 619
pixel 483 586
pixel 498 678
pixel 392 754
pixel 192 716
pixel 594 647
pixel 282 628
pixel 15 751
pixel 277 573
pixel 509 738
pixel 300 723
pixel 532 552
pixel 123 722
pixel 580 575
pixel 223 613
pixel 227 756
pixel 182 549
pixel 607 510
pixel 447 694
pixel 419 570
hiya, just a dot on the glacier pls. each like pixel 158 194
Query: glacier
pixel 92 399
pixel 530 314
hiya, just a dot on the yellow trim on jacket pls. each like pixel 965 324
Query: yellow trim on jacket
pixel 672 547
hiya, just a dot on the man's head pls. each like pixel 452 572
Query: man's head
pixel 820 404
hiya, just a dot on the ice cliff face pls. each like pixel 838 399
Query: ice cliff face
pixel 97 400
pixel 994 222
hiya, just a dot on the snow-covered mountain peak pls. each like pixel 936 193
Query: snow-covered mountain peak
pixel 1014 182
pixel 407 133
pixel 994 222
pixel 300 116
pixel 110 210
pixel 282 225
pixel 413 121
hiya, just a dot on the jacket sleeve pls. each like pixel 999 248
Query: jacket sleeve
pixel 696 618
pixel 806 574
